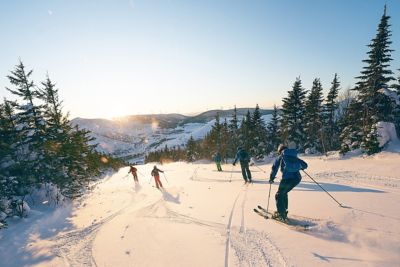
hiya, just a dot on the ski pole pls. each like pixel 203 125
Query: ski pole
pixel 230 179
pixel 150 179
pixel 340 205
pixel 140 173
pixel 165 177
pixel 260 169
pixel 269 194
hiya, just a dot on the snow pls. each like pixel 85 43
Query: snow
pixel 202 219
pixel 386 133
pixel 392 94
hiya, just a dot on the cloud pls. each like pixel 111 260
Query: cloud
pixel 50 12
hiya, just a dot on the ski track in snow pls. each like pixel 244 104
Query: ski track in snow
pixel 75 247
pixel 251 247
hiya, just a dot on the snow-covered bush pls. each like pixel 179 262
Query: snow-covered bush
pixel 386 133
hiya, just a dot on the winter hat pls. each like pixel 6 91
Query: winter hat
pixel 292 145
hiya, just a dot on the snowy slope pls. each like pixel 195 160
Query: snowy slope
pixel 202 219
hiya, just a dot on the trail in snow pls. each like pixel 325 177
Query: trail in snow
pixel 203 220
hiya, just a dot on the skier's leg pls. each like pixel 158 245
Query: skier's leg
pixel 248 172
pixel 157 178
pixel 291 184
pixel 243 167
pixel 281 197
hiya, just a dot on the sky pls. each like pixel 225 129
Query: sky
pixel 124 57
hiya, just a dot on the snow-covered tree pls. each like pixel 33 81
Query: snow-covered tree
pixel 273 139
pixel 293 109
pixel 331 117
pixel 375 106
pixel 313 118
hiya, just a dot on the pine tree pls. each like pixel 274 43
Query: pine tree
pixel 246 132
pixel 191 150
pixel 57 130
pixel 233 134
pixel 313 120
pixel 259 133
pixel 31 127
pixel 351 134
pixel 293 115
pixel 273 133
pixel 375 105
pixel 330 117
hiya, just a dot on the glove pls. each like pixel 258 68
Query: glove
pixel 233 164
pixel 271 181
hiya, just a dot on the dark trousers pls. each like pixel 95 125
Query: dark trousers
pixel 281 197
pixel 218 163
pixel 245 171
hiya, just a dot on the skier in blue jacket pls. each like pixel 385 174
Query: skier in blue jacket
pixel 244 160
pixel 290 166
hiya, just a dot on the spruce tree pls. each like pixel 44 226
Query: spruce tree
pixel 293 109
pixel 375 105
pixel 313 120
pixel 273 133
pixel 233 134
pixel 31 128
pixel 259 132
pixel 330 120
pixel 246 132
pixel 351 134
pixel 191 150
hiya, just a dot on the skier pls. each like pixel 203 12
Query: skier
pixel 244 160
pixel 290 166
pixel 133 170
pixel 217 159
pixel 156 173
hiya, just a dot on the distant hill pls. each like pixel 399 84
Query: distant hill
pixel 171 120
pixel 132 136
pixel 210 114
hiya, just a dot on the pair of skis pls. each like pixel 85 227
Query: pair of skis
pixel 293 223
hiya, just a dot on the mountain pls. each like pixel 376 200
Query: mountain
pixel 132 136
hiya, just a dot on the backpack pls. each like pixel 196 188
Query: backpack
pixel 291 164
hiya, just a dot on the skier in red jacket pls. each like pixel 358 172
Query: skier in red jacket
pixel 133 170
pixel 156 173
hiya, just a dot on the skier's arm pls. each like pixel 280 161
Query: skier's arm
pixel 304 165
pixel 236 158
pixel 275 168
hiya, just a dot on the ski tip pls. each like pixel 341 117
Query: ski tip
pixel 255 210
pixel 259 207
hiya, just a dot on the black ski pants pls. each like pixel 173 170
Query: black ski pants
pixel 245 171
pixel 281 197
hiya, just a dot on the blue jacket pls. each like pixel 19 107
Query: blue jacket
pixel 242 156
pixel 280 163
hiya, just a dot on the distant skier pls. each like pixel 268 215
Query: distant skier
pixel 133 170
pixel 217 159
pixel 156 173
pixel 290 166
pixel 244 160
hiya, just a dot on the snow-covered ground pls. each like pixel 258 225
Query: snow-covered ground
pixel 202 219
